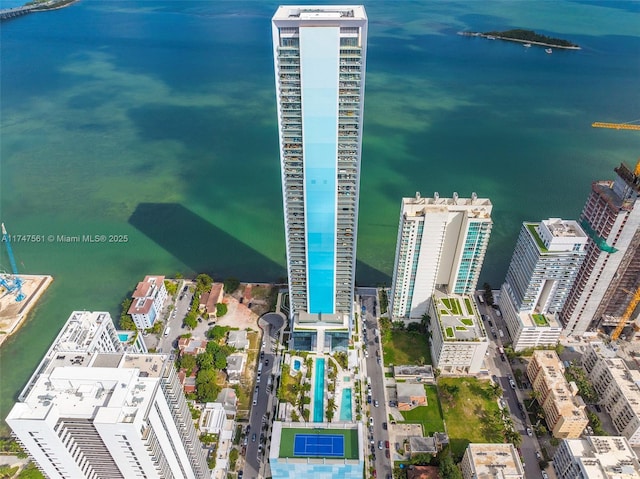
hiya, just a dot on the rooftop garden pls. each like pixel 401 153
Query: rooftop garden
pixel 540 320
pixel 532 229
pixel 467 321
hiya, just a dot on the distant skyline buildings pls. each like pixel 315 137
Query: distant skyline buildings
pixel 320 61
pixel 441 245
pixel 543 269
pixel 610 273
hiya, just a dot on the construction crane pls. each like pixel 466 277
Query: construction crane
pixel 626 315
pixel 617 126
pixel 12 283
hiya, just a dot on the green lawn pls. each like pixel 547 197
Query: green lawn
pixel 540 320
pixel 350 440
pixel 467 411
pixel 429 416
pixel 467 303
pixel 406 347
pixel 449 332
pixel 467 321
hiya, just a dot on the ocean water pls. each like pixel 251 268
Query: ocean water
pixel 155 120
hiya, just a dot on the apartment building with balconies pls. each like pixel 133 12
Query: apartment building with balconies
pixel 596 457
pixel 543 268
pixel 441 245
pixel 459 341
pixel 618 388
pixel 563 408
pixel 320 62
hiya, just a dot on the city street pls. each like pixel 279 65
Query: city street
pixel 258 433
pixel 502 370
pixel 377 435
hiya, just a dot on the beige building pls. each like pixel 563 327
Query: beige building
pixel 618 389
pixel 488 461
pixel 564 410
pixel 596 457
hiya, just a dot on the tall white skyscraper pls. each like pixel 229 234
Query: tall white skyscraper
pixel 542 271
pixel 319 57
pixel 441 244
pixel 93 411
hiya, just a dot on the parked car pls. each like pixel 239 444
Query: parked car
pixel 253 437
pixel 597 407
pixel 545 475
pixel 386 444
pixel 370 421
pixel 538 455
pixel 379 444
pixel 376 403
pixel 529 432
pixel 387 454
pixel 384 426
pixel 513 385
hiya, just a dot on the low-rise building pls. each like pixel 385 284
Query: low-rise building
pixel 564 410
pixel 596 457
pixel 215 296
pixel 618 388
pixel 410 395
pixel 148 300
pixel 235 367
pixel 421 374
pixel 458 338
pixel 192 346
pixel 238 339
pixel 422 445
pixel 489 461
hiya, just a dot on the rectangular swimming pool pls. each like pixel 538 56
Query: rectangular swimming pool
pixel 318 392
pixel 345 405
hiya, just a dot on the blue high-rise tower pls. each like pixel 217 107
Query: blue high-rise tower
pixel 319 57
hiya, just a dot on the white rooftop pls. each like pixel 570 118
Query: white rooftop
pixel 605 457
pixel 320 12
pixel 496 460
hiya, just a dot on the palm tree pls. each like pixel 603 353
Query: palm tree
pixel 535 395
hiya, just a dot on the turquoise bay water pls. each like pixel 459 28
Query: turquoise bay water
pixel 156 120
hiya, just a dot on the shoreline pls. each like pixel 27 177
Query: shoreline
pixel 517 40
pixel 12 314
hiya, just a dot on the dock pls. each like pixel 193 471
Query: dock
pixel 14 313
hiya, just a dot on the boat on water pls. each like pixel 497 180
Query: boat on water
pixel 548 50
pixel 491 37
pixel 527 45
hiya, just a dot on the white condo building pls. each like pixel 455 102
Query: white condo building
pixel 542 271
pixel 92 410
pixel 320 57
pixel 459 341
pixel 148 301
pixel 441 244
pixel 491 461
pixel 596 457
pixel 618 388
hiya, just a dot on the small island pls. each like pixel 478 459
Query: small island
pixel 527 37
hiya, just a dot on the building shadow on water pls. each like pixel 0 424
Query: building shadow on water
pixel 205 248
pixel 201 246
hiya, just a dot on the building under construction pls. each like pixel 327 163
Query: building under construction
pixel 605 292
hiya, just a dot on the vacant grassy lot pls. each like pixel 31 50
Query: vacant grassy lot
pixel 429 416
pixel 406 347
pixel 467 405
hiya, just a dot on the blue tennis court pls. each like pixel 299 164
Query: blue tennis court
pixel 318 445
